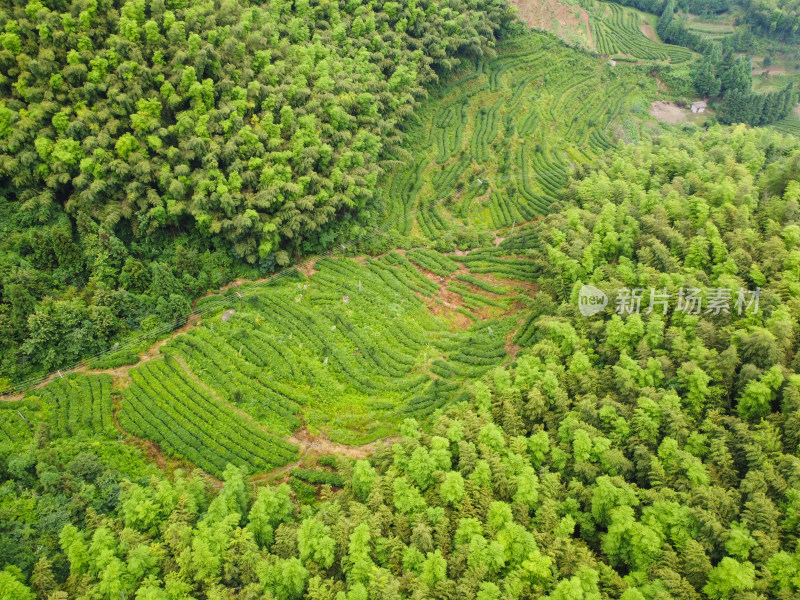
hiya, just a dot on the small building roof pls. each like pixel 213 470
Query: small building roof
pixel 699 104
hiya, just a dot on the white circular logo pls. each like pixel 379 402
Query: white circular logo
pixel 591 300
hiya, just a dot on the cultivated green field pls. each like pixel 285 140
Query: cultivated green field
pixel 790 125
pixel 351 351
pixel 498 145
pixel 359 346
pixel 617 30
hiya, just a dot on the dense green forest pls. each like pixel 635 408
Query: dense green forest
pixel 150 152
pixel 631 456
pixel 771 18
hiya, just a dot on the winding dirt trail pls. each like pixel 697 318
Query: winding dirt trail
pixel 116 373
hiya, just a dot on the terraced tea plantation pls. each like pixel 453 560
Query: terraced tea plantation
pixel 79 405
pixel 498 146
pixel 790 125
pixel 617 30
pixel 353 347
pixel 360 345
pixel 166 405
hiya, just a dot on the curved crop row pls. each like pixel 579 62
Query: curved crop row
pixel 790 126
pixel 448 129
pixel 163 404
pixel 432 261
pixel 79 404
pixel 403 193
pixel 445 181
pixel 621 33
pixel 486 129
pixel 417 281
pixel 229 364
pixel 516 268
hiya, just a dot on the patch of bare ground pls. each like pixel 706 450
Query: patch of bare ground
pixel 567 21
pixel 307 268
pixel 667 112
pixel 649 31
pixel 770 70
pixel 312 445
pixel 447 310
pixel 513 349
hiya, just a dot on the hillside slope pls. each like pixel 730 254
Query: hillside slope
pixel 629 454
pixel 151 152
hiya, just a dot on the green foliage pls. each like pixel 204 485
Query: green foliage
pixel 351 343
pixel 135 135
pixel 729 577
pixel 166 405
pixel 617 30
pixel 363 478
pixel 79 405
pixel 11 588
pixel 535 113
pixel 319 477
pixel 540 455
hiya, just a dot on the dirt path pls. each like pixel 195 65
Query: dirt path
pixel 311 446
pixel 318 445
pixel 117 372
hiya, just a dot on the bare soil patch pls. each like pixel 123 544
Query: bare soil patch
pixel 445 305
pixel 513 349
pixel 772 70
pixel 668 112
pixel 649 31
pixel 567 22
pixel 320 445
